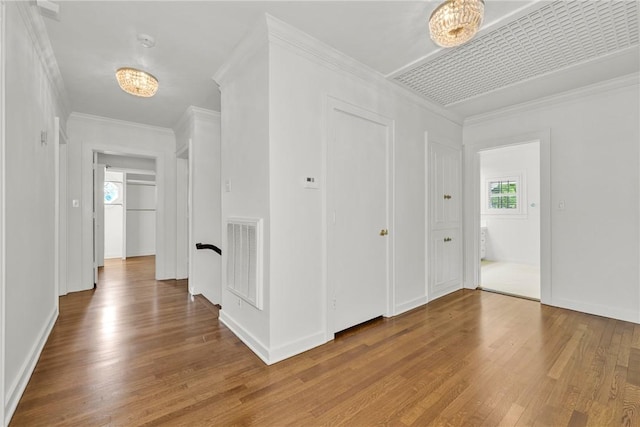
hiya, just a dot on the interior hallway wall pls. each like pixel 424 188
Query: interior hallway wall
pixel 32 101
pixel 595 190
pixel 91 133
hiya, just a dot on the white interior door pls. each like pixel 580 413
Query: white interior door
pixel 358 209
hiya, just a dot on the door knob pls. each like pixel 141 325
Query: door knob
pixel 384 232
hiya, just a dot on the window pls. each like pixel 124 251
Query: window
pixel 503 194
pixel 112 192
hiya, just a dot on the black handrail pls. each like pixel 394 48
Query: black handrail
pixel 209 246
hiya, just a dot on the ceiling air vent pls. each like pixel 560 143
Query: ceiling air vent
pixel 557 35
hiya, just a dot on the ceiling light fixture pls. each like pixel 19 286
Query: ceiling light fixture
pixel 137 82
pixel 455 22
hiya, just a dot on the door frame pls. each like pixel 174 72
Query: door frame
pixel 471 211
pixel 160 158
pixel 337 105
pixel 2 213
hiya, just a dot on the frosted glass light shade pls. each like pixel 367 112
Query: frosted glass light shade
pixel 455 22
pixel 137 82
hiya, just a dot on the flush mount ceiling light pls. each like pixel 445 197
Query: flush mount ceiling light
pixel 137 82
pixel 455 22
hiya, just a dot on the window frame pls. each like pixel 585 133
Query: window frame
pixel 521 192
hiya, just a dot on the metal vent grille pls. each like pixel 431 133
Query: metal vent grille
pixel 555 36
pixel 244 259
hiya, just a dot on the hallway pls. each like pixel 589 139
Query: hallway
pixel 138 351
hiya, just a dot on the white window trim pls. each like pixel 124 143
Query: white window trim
pixel 521 194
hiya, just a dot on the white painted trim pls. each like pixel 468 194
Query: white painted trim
pixel 410 305
pixel 87 150
pixel 335 104
pixel 564 97
pixel 289 37
pixel 15 391
pixel 251 43
pixel 296 347
pixel 3 418
pixel 250 341
pixel 108 120
pixel 56 209
pixel 191 242
pixel 471 214
pixel 596 309
pixel 36 28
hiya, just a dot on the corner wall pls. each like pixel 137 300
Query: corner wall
pixel 199 133
pixel 595 167
pixel 31 103
pixel 274 124
pixel 91 133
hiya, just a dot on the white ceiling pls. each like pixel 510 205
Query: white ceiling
pixel 91 39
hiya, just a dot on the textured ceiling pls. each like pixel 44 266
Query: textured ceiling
pixel 558 35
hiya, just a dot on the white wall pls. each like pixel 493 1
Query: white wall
pixel 90 133
pixel 199 133
pixel 266 162
pixel 595 170
pixel 141 219
pixel 513 237
pixel 29 292
pixel 245 165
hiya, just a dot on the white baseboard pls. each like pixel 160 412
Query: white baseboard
pixel 271 356
pixel 444 291
pixel 597 309
pixel 252 342
pixel 296 347
pixel 147 252
pixel 15 391
pixel 410 305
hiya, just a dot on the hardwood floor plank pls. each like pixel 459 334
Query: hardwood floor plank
pixel 137 351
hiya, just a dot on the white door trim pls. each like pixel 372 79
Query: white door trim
pixel 335 104
pixel 3 25
pixel 161 159
pixel 471 210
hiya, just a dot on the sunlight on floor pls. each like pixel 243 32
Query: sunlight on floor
pixel 511 278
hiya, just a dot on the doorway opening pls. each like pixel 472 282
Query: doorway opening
pixel 510 220
pixel 124 209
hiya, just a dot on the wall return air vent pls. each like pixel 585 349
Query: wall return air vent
pixel 244 259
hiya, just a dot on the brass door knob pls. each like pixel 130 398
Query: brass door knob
pixel 384 232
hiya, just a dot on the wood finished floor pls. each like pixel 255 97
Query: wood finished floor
pixel 142 352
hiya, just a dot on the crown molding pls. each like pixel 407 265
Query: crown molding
pixel 37 31
pixel 563 97
pixel 250 44
pixel 110 121
pixel 285 35
pixel 193 113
